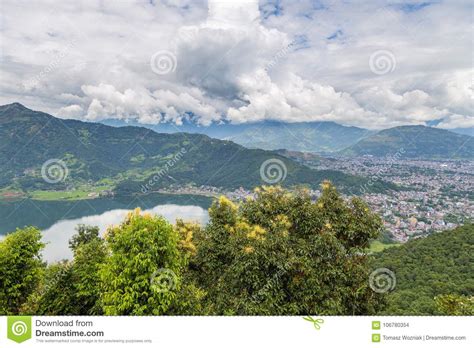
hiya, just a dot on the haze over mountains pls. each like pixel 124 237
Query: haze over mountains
pixel 421 142
pixel 270 135
pixel 130 156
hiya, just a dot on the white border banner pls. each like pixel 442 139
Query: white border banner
pixel 312 331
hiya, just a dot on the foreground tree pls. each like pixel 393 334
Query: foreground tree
pixel 189 296
pixel 84 235
pixel 142 274
pixel 88 260
pixel 72 287
pixel 282 254
pixel 55 293
pixel 20 268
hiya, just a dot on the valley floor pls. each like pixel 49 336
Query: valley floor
pixel 436 195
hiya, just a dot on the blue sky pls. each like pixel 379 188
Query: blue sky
pixel 373 64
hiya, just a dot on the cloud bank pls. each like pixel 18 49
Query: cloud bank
pixel 372 65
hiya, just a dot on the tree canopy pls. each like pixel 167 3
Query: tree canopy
pixel 276 253
pixel 434 275
pixel 281 254
pixel 20 268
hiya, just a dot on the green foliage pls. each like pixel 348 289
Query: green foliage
pixel 455 304
pixel 281 254
pixel 278 253
pixel 20 268
pixel 72 287
pixel 142 274
pixel 440 266
pixel 88 260
pixel 55 294
pixel 84 234
pixel 189 298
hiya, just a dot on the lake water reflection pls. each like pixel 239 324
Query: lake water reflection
pixel 58 220
pixel 58 235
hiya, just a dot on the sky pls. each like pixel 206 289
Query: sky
pixel 372 64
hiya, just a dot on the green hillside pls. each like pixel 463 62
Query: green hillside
pixel 414 142
pixel 303 136
pixel 268 135
pixel 441 264
pixel 128 157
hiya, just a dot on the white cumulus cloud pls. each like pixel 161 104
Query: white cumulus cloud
pixel 243 61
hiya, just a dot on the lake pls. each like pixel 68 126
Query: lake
pixel 58 219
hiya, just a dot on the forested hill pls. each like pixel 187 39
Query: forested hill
pixel 129 156
pixel 415 142
pixel 303 136
pixel 441 265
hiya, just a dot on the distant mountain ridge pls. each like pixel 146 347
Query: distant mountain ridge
pixel 330 138
pixel 132 156
pixel 326 138
pixel 304 136
pixel 414 142
pixel 269 135
pixel 465 131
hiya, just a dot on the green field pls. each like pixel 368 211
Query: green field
pixel 82 192
pixel 85 192
pixel 377 246
pixel 58 195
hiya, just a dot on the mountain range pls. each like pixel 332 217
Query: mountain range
pixel 414 142
pixel 131 156
pixel 423 142
pixel 269 135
